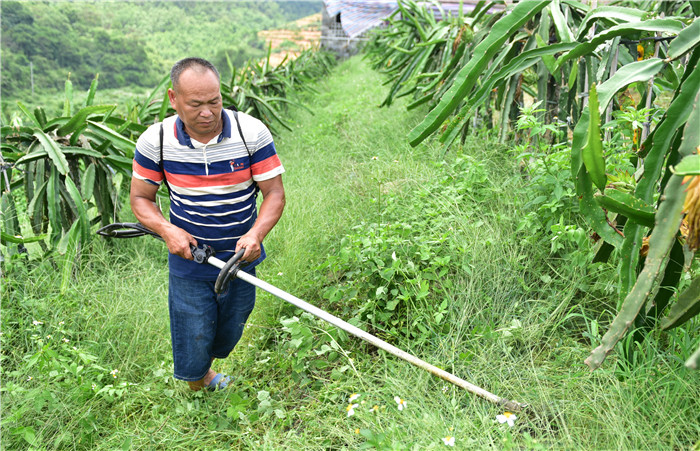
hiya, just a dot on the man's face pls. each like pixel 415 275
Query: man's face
pixel 197 100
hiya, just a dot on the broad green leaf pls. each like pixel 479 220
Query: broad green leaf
pixel 407 76
pixel 560 24
pixel 78 120
pixel 676 115
pixel 7 238
pixel 69 97
pixel 99 133
pixel 686 307
pixel 627 205
pixel 40 116
pixel 80 205
pixel 654 161
pixel 28 114
pixel 616 13
pixel 626 75
pixel 477 16
pixel 125 125
pixel 695 6
pixel 467 76
pixel 690 165
pixel 689 150
pixel 104 195
pixel 592 152
pixel 516 65
pixel 590 209
pixel 548 60
pixel 668 79
pixel 87 182
pixel 33 155
pixel 506 54
pixel 572 76
pixel 413 19
pixel 685 41
pixel 157 92
pixel 10 153
pixel 667 284
pixel 668 220
pixel 271 110
pixel 8 131
pixel 55 123
pixel 661 25
pixel 120 162
pixel 68 247
pixel 583 7
pixel 42 153
pixel 53 150
pixel 164 104
pixel 10 222
pixel 39 198
pixel 447 70
pixel 91 92
pixel 53 200
pixel 230 64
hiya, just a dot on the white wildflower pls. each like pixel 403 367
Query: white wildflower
pixel 351 409
pixel 507 417
pixel 449 440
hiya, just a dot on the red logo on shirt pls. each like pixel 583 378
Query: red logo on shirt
pixel 236 166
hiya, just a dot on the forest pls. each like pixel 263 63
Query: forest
pixel 509 192
pixel 131 45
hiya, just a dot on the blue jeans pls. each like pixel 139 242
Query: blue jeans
pixel 205 325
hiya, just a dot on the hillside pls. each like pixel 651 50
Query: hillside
pixel 130 44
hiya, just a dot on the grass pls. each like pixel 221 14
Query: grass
pixel 519 321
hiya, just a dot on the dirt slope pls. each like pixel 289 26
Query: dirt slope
pixel 297 36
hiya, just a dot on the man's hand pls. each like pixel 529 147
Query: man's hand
pixel 251 244
pixel 178 241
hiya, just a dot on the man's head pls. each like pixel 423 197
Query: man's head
pixel 197 64
pixel 196 96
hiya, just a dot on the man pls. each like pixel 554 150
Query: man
pixel 212 173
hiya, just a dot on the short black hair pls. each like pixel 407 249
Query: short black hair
pixel 187 63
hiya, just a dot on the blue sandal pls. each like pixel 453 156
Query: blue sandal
pixel 219 382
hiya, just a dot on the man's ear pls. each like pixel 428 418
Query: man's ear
pixel 171 96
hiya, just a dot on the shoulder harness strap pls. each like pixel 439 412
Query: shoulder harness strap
pixel 160 162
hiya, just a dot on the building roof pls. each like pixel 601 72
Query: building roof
pixel 358 16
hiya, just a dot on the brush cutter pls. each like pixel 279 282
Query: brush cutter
pixel 231 269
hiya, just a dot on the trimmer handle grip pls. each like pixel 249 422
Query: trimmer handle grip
pixel 202 254
pixel 228 271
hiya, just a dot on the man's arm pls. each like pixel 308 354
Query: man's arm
pixel 143 204
pixel 270 212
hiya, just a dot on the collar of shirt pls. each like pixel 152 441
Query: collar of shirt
pixel 184 139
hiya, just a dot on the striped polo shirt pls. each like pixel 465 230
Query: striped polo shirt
pixel 212 194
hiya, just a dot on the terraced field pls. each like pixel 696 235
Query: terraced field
pixel 288 42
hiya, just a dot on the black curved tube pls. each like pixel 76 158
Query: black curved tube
pixel 228 271
pixel 126 230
